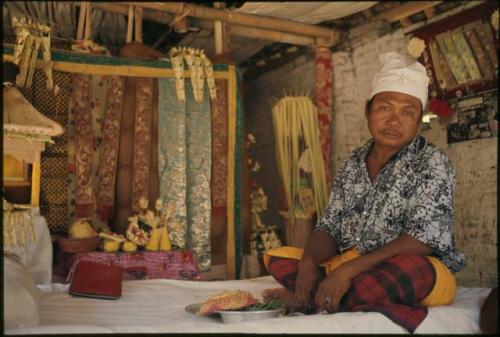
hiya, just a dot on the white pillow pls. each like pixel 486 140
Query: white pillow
pixel 20 295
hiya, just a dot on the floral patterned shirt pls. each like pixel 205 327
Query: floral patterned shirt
pixel 412 194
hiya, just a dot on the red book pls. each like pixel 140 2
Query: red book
pixel 97 280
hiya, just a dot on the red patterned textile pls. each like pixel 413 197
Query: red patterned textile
pixel 142 141
pixel 175 264
pixel 83 145
pixel 323 100
pixel 219 145
pixel 393 288
pixel 109 149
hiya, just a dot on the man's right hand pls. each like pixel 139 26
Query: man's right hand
pixel 308 276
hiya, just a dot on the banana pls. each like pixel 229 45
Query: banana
pixel 111 245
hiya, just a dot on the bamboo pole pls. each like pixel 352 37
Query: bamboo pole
pixel 237 30
pixel 35 182
pixel 130 23
pixel 138 24
pixel 81 21
pixel 88 22
pixel 219 33
pixel 233 17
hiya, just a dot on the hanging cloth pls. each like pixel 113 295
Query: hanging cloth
pixel 83 142
pixel 142 141
pixel 109 148
pixel 184 158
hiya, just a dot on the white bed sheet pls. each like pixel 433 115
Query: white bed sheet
pixel 157 306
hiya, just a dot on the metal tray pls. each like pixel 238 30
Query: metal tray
pixel 235 316
pixel 229 317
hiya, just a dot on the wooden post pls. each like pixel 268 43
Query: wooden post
pixel 35 182
pixel 429 12
pixel 130 23
pixel 138 24
pixel 81 21
pixel 88 22
pixel 220 32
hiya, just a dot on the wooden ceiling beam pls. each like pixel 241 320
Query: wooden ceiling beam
pixel 233 17
pixel 406 9
pixel 237 30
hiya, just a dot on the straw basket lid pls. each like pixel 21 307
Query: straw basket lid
pixel 69 245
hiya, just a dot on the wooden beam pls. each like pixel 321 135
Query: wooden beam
pixel 237 30
pixel 408 8
pixel 109 69
pixel 270 35
pixel 233 17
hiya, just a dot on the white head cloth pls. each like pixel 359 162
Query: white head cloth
pixel 395 75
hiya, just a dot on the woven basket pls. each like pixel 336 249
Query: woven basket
pixel 78 245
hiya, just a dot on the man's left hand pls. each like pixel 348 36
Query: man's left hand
pixel 332 288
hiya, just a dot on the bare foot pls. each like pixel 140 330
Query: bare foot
pixel 277 293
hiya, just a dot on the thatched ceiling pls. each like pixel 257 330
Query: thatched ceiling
pixel 253 55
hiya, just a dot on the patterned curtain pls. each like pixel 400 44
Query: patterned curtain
pixel 323 100
pixel 87 108
pixel 184 161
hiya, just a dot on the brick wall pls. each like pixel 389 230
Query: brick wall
pixel 474 161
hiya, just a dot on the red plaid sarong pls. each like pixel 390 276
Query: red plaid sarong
pixel 393 288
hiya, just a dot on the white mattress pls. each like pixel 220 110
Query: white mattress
pixel 149 306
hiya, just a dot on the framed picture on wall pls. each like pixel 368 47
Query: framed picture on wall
pixel 476 116
pixel 461 54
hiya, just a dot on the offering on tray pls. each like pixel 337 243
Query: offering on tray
pixel 227 300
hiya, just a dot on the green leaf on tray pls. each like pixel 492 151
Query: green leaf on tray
pixel 271 305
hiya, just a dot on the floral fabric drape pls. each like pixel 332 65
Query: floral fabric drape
pixel 87 107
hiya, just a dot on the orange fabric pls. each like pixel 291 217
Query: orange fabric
pixel 443 292
pixel 445 289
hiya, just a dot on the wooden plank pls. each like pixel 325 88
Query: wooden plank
pixel 234 17
pixel 408 8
